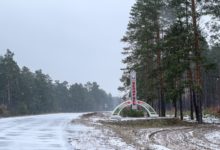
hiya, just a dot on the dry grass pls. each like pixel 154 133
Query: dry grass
pixel 89 115
pixel 149 123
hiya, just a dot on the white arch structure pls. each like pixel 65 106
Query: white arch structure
pixel 151 112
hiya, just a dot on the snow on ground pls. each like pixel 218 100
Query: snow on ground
pixel 211 119
pixel 195 136
pixel 56 132
pixel 206 119
pixel 87 133
pixel 41 132
pixel 71 131
pixel 182 138
pixel 213 137
pixel 158 147
pixel 90 138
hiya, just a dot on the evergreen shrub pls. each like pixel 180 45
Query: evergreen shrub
pixel 132 113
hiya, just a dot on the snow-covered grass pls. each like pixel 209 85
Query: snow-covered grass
pixel 179 136
pixel 158 147
pixel 206 119
pixel 213 137
pixel 83 137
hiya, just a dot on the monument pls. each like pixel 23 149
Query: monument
pixel 133 102
pixel 133 89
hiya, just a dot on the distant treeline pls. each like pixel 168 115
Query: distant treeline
pixel 25 92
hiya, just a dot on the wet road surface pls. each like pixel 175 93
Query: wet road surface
pixel 41 132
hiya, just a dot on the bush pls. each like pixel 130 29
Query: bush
pixel 132 113
pixel 3 110
pixel 215 111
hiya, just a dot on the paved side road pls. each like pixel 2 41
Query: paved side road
pixel 41 132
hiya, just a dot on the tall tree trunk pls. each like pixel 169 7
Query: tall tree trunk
pixel 178 86
pixel 195 104
pixel 175 108
pixel 191 105
pixel 9 93
pixel 159 100
pixel 198 64
pixel 163 104
pixel 161 87
pixel 181 106
pixel 189 71
pixel 190 80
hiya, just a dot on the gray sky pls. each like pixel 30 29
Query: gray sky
pixel 72 40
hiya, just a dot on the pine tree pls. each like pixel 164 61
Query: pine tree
pixel 143 38
pixel 11 75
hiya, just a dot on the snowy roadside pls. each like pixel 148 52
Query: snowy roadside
pixel 101 132
pixel 86 133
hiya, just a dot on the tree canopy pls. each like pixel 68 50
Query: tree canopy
pixel 26 92
pixel 166 46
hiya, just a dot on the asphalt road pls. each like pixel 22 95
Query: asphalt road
pixel 41 132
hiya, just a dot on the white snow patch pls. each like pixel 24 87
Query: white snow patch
pixel 191 133
pixel 213 137
pixel 83 138
pixel 206 119
pixel 210 119
pixel 158 147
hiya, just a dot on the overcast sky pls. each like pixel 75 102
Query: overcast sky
pixel 72 40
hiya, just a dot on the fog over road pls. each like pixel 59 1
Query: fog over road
pixel 41 132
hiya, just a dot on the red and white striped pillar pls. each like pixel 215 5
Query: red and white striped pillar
pixel 133 89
